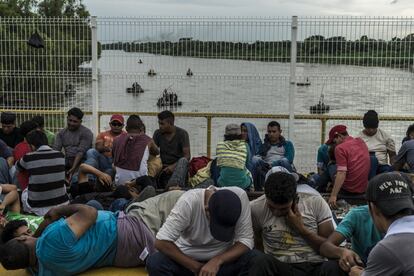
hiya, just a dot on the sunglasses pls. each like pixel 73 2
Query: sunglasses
pixel 116 124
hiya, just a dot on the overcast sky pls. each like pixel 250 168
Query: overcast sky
pixel 250 7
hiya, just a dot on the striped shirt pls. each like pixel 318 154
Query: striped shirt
pixel 46 169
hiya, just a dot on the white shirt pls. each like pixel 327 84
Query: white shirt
pixel 188 226
pixel 123 175
pixel 379 143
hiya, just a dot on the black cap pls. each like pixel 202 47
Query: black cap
pixel 224 208
pixel 370 119
pixel 391 193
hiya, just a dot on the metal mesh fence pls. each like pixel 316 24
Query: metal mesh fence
pixel 238 66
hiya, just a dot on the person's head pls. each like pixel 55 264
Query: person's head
pixel 223 209
pixel 74 120
pixel 36 139
pixel 8 122
pixel 166 121
pixel 27 126
pixel 337 135
pixel 280 191
pixel 232 132
pixel 18 253
pixel 273 131
pixel 370 122
pixel 116 123
pixel 410 132
pixel 39 120
pixel 134 124
pixel 15 228
pixel 389 197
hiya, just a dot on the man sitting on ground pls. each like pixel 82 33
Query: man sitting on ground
pixel 357 227
pixel 101 156
pixel 69 234
pixel 275 151
pixel 9 133
pixel 75 139
pixel 352 163
pixel 390 201
pixel 46 168
pixel 174 147
pixel 131 151
pixel 405 158
pixel 208 232
pixel 290 226
pixel 380 144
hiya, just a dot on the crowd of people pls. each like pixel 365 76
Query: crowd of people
pixel 69 204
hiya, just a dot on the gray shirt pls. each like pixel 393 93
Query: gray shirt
pixel 171 150
pixel 73 142
pixel 393 256
pixel 275 153
pixel 406 154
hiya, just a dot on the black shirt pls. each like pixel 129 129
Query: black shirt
pixel 13 138
pixel 172 150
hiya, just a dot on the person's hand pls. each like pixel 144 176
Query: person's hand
pixel 356 271
pixel 105 179
pixel 211 268
pixel 295 220
pixel 52 214
pixel 196 267
pixel 349 259
pixel 169 169
pixel 332 202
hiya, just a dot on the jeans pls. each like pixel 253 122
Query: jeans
pixel 117 205
pixel 177 178
pixel 99 161
pixel 261 168
pixel 267 265
pixel 377 168
pixel 320 182
pixel 283 162
pixel 4 172
pixel 160 264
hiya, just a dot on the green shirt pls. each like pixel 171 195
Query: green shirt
pixel 50 137
pixel 33 222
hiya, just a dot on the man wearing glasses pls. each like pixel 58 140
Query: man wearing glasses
pixel 101 156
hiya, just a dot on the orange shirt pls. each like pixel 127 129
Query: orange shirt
pixel 107 137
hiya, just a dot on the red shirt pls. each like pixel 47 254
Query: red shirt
pixel 352 157
pixel 19 151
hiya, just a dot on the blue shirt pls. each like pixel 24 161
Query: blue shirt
pixel 358 227
pixel 323 157
pixel 59 252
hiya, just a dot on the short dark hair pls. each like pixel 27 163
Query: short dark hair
pixel 37 138
pixel 10 228
pixel 8 118
pixel 280 188
pixel 27 126
pixel 166 115
pixel 40 120
pixel 232 137
pixel 14 255
pixel 273 124
pixel 76 112
pixel 134 122
pixel 410 129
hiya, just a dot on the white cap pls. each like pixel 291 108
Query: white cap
pixel 281 169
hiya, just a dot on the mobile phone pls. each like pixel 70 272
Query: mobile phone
pixel 295 202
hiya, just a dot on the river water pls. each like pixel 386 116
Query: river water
pixel 237 86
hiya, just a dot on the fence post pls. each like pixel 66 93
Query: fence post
pixel 95 90
pixel 208 136
pixel 292 78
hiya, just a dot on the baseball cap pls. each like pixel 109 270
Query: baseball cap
pixel 233 129
pixel 281 169
pixel 118 118
pixel 224 208
pixel 335 131
pixel 391 192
